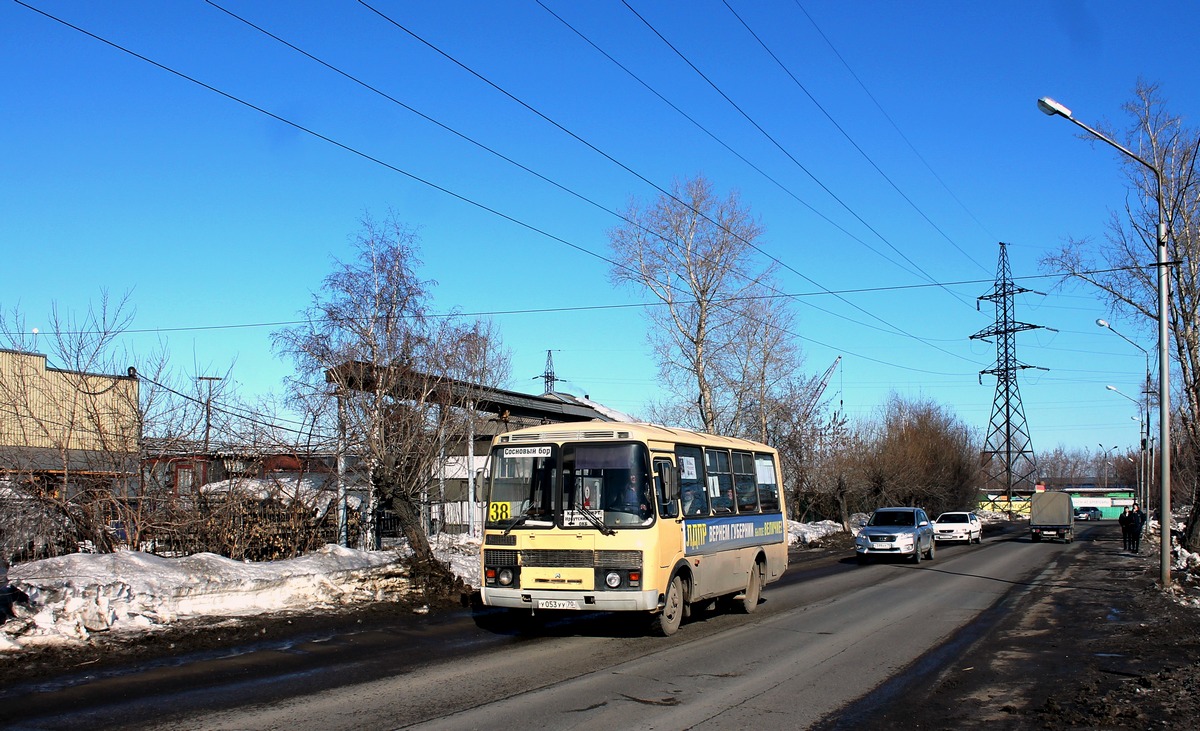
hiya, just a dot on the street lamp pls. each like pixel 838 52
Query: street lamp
pixel 1143 429
pixel 1104 463
pixel 1148 391
pixel 1053 108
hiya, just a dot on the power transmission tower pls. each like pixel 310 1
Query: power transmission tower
pixel 548 377
pixel 1008 459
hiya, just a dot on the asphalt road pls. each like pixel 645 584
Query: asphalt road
pixel 830 633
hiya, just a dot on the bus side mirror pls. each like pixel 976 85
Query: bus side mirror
pixel 479 485
pixel 670 478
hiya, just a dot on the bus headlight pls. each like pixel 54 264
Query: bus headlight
pixel 504 577
pixel 612 579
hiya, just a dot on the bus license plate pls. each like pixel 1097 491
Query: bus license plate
pixel 557 604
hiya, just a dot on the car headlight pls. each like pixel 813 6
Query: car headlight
pixel 504 577
pixel 612 579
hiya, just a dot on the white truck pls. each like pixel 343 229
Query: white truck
pixel 1051 516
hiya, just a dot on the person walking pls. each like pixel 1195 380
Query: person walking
pixel 1137 521
pixel 1124 521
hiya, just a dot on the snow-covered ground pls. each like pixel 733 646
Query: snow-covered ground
pixel 72 597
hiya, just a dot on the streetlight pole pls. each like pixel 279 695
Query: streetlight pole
pixel 1104 463
pixel 1053 108
pixel 1142 425
pixel 1147 391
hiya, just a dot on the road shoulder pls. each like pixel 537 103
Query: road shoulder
pixel 1093 645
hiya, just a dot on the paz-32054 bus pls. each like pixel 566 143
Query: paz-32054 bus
pixel 612 516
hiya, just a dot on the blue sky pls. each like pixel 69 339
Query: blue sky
pixel 221 220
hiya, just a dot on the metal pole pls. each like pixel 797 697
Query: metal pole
pixel 208 408
pixel 1051 107
pixel 1142 497
pixel 471 469
pixel 1164 399
pixel 342 513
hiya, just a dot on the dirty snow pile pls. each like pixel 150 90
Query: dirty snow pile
pixel 69 598
pixel 806 534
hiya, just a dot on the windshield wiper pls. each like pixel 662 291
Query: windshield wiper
pixel 515 522
pixel 594 520
pixel 532 512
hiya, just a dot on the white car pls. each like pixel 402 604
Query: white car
pixel 958 526
pixel 896 532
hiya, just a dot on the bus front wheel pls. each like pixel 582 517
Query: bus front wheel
pixel 666 622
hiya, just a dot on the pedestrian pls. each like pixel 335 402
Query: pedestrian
pixel 1137 521
pixel 1124 521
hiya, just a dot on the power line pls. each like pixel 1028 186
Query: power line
pixel 253 418
pixel 849 139
pixel 638 175
pixel 453 194
pixel 783 149
pixel 633 305
pixel 891 121
pixel 718 140
pixel 890 327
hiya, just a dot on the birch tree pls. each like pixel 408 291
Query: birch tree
pixel 717 341
pixel 403 375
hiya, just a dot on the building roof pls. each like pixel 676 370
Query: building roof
pixel 407 384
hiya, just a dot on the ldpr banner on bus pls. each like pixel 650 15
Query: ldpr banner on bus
pixel 710 535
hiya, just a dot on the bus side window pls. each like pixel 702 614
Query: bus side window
pixel 768 488
pixel 717 464
pixel 744 482
pixel 691 480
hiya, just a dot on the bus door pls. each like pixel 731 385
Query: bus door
pixel 670 523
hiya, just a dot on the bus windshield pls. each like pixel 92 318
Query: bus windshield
pixel 609 482
pixel 603 486
pixel 522 485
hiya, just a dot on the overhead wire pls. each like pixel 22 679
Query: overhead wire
pixel 629 305
pixel 580 196
pixel 787 153
pixel 712 135
pixel 891 121
pixel 417 178
pixel 631 171
pixel 254 417
pixel 850 139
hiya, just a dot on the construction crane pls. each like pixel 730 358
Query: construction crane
pixel 811 406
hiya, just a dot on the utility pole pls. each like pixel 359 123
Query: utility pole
pixel 208 408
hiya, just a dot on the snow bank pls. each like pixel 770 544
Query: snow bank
pixel 71 597
pixel 803 534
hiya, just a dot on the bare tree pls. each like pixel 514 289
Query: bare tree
pixel 718 341
pixel 401 378
pixel 1072 466
pixel 70 426
pixel 1122 266
pixel 921 455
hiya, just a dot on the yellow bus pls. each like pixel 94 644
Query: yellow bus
pixel 611 516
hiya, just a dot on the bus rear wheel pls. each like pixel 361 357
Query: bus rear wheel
pixel 666 622
pixel 749 600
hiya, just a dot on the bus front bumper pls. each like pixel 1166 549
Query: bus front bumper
pixel 595 601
